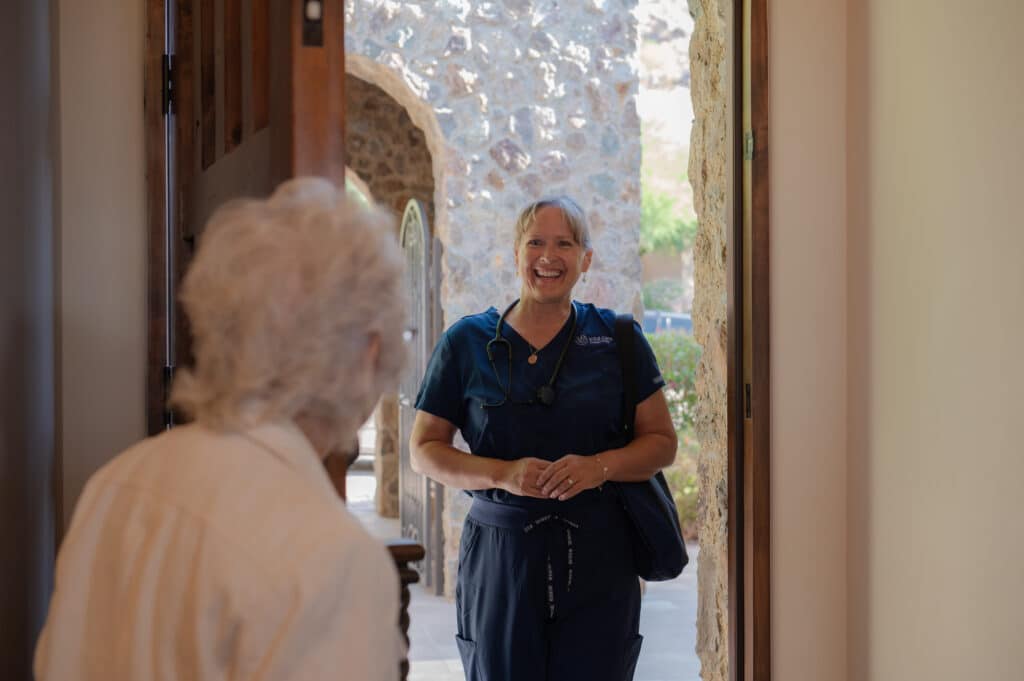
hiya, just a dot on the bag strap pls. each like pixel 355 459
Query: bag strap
pixel 624 341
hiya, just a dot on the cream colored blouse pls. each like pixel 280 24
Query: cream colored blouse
pixel 201 555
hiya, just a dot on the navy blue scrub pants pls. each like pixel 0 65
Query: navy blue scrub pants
pixel 548 593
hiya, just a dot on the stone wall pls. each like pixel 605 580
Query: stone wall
pixel 384 148
pixel 709 168
pixel 385 456
pixel 516 99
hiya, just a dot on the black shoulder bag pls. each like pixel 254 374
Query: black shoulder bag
pixel 659 552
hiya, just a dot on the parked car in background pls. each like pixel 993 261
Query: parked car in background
pixel 656 321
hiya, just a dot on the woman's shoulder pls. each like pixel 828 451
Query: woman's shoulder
pixel 593 316
pixel 470 327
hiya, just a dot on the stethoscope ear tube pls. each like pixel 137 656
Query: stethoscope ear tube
pixel 546 393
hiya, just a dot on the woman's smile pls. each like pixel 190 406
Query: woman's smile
pixel 548 273
pixel 549 257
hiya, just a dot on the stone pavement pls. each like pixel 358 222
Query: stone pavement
pixel 668 615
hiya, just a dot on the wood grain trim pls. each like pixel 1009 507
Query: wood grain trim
pixel 261 63
pixel 232 74
pixel 208 82
pixel 759 465
pixel 750 438
pixel 156 213
pixel 187 118
pixel 187 122
pixel 318 97
pixel 734 349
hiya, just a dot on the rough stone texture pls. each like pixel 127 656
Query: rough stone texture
pixel 384 148
pixel 708 175
pixel 385 460
pixel 516 98
pixel 499 89
pixel 389 155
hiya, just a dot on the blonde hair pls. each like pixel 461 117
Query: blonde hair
pixel 572 211
pixel 283 296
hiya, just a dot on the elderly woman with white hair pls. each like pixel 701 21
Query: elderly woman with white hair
pixel 219 549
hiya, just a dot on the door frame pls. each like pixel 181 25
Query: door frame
pixel 749 438
pixel 749 351
pixel 159 227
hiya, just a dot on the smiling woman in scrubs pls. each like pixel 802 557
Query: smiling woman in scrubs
pixel 547 590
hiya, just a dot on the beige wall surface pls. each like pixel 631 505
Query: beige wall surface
pixel 936 286
pixel 808 339
pixel 928 117
pixel 103 235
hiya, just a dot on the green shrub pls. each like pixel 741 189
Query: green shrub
pixel 678 353
pixel 683 483
pixel 664 225
pixel 662 294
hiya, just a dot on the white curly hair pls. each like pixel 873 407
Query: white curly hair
pixel 284 296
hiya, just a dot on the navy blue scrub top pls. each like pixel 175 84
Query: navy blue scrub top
pixel 586 416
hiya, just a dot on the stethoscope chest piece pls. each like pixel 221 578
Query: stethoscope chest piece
pixel 546 393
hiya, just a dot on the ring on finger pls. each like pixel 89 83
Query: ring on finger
pixel 570 481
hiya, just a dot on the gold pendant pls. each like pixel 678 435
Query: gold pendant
pixel 532 359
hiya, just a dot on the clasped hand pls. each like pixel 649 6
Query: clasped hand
pixel 562 479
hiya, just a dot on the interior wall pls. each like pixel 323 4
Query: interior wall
pixel 103 235
pixel 28 462
pixel 935 281
pixel 936 284
pixel 807 62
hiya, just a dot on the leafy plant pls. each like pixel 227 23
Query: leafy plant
pixel 662 294
pixel 678 353
pixel 683 483
pixel 663 225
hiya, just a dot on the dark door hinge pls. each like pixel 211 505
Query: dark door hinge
pixel 168 381
pixel 748 146
pixel 167 64
pixel 746 399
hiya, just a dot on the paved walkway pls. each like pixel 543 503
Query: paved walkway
pixel 668 615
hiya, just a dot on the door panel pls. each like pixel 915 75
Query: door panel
pixel 230 141
pixel 258 97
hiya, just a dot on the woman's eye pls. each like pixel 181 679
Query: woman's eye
pixel 533 242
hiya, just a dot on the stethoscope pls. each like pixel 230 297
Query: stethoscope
pixel 546 393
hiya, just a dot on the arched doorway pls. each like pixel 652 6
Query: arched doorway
pixel 388 159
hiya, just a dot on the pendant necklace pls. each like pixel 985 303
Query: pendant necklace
pixel 532 359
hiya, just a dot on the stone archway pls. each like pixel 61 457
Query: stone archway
pixel 384 148
pixel 389 157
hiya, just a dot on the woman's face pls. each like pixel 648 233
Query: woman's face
pixel 549 260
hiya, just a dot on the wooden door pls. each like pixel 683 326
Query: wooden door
pixel 252 93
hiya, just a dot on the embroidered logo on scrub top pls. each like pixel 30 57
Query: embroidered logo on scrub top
pixel 584 340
